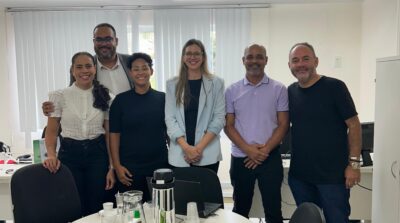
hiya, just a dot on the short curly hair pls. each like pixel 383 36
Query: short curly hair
pixel 136 56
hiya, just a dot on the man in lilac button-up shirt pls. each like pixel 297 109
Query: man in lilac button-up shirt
pixel 257 119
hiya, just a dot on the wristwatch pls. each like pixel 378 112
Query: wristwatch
pixel 355 165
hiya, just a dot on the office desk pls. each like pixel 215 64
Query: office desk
pixel 360 198
pixel 5 192
pixel 220 216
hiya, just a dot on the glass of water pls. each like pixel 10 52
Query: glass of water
pixel 119 199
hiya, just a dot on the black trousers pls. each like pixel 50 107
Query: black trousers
pixel 214 167
pixel 269 175
pixel 88 162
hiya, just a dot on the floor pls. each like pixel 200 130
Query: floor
pixel 229 205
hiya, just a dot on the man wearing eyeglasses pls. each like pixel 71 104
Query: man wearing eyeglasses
pixel 112 70
pixel 111 66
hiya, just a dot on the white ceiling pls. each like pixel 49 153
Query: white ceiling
pixel 169 3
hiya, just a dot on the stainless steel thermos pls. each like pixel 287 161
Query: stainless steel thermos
pixel 163 196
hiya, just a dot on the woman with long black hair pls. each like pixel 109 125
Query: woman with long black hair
pixel 82 111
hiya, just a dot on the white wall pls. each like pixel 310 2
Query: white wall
pixel 379 39
pixel 333 29
pixel 5 124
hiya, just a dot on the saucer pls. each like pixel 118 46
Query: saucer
pixel 113 212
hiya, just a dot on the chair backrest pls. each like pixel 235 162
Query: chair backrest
pixel 307 212
pixel 208 179
pixel 40 196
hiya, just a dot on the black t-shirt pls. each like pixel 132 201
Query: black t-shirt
pixel 191 110
pixel 319 132
pixel 140 121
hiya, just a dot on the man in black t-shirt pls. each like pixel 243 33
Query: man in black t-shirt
pixel 326 137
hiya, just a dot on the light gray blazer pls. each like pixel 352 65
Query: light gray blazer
pixel 210 117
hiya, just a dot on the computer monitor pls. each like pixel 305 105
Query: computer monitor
pixel 367 145
pixel 286 146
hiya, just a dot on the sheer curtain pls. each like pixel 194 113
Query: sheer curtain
pixel 41 44
pixel 172 28
pixel 232 30
pixel 224 32
pixel 44 42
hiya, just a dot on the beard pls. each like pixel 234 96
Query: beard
pixel 303 75
pixel 105 52
pixel 254 70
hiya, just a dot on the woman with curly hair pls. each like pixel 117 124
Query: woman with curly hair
pixel 82 111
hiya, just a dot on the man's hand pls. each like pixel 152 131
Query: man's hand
pixel 255 156
pixel 250 164
pixel 255 153
pixel 124 176
pixel 48 108
pixel 264 149
pixel 352 176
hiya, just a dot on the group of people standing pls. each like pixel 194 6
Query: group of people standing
pixel 116 129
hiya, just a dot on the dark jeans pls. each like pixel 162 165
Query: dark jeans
pixel 88 162
pixel 269 176
pixel 332 198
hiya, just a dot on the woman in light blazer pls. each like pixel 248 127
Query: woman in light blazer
pixel 195 111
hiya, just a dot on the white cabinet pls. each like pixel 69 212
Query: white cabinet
pixel 386 182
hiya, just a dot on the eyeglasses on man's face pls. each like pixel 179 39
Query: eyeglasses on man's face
pixel 107 39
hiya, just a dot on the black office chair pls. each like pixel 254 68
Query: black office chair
pixel 40 196
pixel 307 213
pixel 208 179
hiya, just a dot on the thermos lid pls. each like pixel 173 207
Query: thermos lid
pixel 163 179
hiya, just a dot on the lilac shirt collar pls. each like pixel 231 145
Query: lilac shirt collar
pixel 265 80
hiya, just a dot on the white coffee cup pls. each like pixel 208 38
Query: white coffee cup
pixel 192 215
pixel 108 215
pixel 108 206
